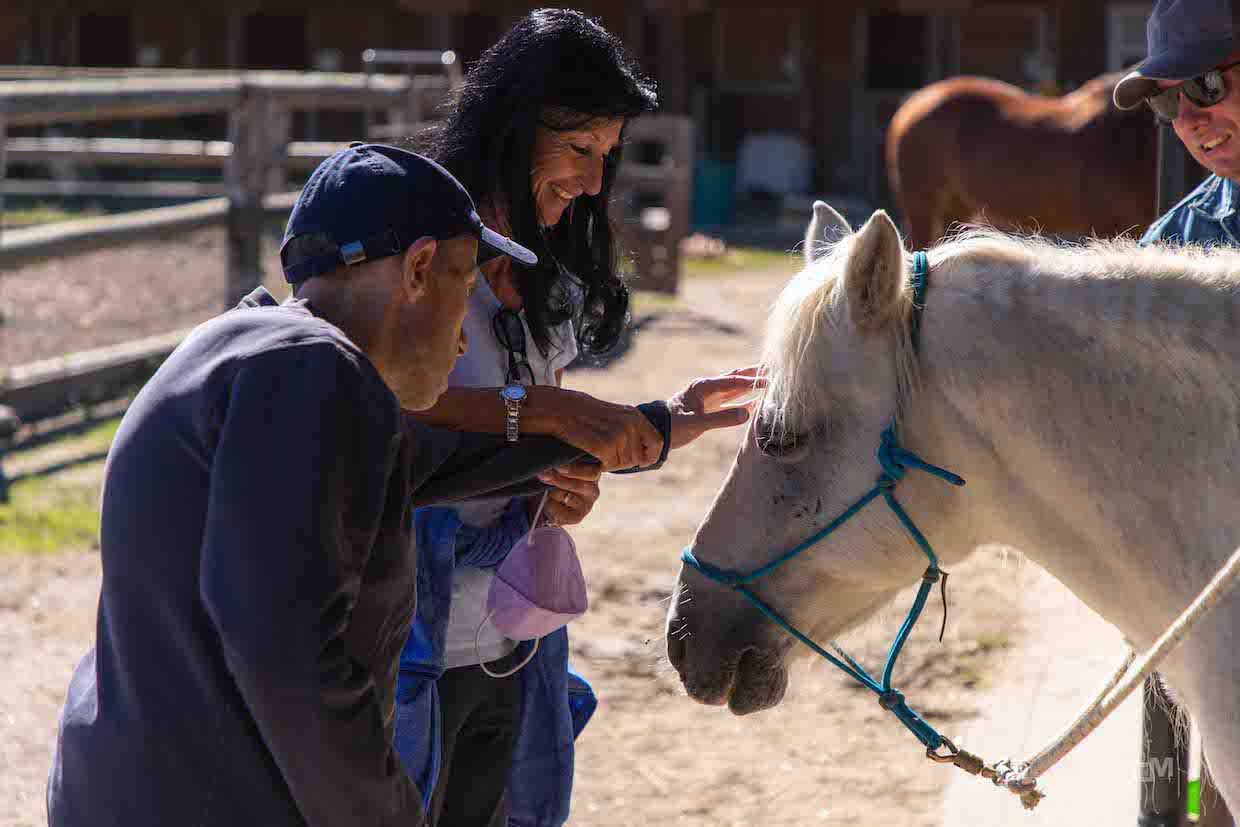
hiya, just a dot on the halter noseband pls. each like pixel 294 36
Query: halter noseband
pixel 894 461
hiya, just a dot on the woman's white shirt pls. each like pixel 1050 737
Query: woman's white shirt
pixel 485 365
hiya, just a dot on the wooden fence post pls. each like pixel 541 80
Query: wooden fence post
pixel 259 130
pixel 653 238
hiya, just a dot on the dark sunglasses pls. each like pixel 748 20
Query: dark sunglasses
pixel 510 333
pixel 1205 90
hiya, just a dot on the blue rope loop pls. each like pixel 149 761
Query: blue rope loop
pixel 722 576
pixel 894 462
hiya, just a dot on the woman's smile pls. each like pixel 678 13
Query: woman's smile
pixel 568 163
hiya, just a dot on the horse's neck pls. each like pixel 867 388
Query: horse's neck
pixel 1097 419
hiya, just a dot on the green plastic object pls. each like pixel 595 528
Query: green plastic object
pixel 1192 803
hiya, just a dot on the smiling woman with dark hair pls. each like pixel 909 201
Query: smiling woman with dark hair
pixel 536 136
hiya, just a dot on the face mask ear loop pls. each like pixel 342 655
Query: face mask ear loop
pixel 541 504
pixel 514 670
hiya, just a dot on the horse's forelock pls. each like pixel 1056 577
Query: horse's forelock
pixel 794 343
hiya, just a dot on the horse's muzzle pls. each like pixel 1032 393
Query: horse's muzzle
pixel 725 651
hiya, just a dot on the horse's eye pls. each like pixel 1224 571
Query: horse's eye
pixel 776 441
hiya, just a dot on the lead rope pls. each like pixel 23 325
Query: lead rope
pixel 1021 777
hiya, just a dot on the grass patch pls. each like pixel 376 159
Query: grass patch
pixel 56 513
pixel 43 516
pixel 735 260
pixel 45 214
pixel 741 259
pixel 645 302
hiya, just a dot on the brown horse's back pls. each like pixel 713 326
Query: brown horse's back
pixel 976 149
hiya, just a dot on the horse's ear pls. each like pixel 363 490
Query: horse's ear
pixel 826 227
pixel 874 274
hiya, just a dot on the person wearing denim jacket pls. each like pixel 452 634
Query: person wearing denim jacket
pixel 1191 80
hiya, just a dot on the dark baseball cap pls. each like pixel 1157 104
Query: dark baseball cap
pixel 371 201
pixel 1183 39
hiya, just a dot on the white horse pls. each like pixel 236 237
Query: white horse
pixel 1090 396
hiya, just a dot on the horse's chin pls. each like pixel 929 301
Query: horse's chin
pixel 749 681
pixel 761 681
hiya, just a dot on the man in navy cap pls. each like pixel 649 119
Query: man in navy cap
pixel 1191 80
pixel 258 573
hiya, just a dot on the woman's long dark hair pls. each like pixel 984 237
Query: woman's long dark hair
pixel 554 61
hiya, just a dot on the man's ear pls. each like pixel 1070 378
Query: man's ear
pixel 415 271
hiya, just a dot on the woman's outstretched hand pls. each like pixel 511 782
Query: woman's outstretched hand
pixel 702 406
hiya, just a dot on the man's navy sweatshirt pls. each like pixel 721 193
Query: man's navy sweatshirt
pixel 259 581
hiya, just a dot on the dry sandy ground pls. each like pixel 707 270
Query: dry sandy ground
pixel 827 755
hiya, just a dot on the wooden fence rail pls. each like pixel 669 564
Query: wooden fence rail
pixel 147 152
pixel 28 244
pixel 40 103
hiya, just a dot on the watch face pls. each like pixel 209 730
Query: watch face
pixel 514 393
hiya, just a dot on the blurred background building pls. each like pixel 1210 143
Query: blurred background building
pixel 786 100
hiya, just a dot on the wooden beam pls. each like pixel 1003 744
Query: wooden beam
pixel 34 103
pixel 131 152
pixel 176 190
pixel 259 129
pixel 83 234
pixel 53 386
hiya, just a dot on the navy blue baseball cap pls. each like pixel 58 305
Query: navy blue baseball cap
pixel 1183 38
pixel 371 201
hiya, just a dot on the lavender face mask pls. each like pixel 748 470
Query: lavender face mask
pixel 537 589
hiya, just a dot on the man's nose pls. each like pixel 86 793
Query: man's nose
pixel 462 344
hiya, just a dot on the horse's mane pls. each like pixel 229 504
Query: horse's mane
pixel 1094 258
pixel 807 303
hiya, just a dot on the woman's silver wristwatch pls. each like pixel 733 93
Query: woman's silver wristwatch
pixel 513 396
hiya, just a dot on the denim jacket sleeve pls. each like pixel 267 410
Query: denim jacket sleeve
pixel 488 546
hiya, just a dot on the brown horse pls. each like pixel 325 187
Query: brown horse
pixel 975 149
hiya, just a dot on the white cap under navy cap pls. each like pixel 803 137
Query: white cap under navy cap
pixel 371 201
pixel 1184 38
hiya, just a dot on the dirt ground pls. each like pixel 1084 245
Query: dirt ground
pixel 827 755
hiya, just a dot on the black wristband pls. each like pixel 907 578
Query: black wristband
pixel 660 416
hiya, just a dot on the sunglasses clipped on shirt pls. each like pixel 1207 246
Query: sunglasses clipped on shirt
pixel 509 331
pixel 1205 90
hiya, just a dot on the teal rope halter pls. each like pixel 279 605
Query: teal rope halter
pixel 894 461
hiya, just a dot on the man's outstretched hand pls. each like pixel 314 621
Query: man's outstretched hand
pixel 703 405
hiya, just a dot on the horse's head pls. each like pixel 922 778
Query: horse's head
pixel 839 361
